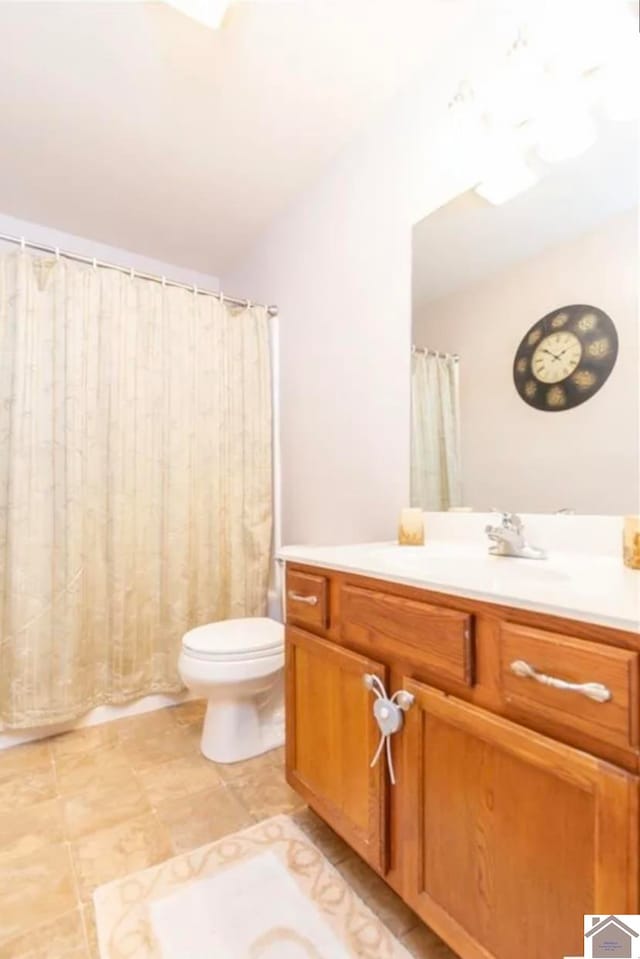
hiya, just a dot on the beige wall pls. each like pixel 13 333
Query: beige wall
pixel 516 457
pixel 338 264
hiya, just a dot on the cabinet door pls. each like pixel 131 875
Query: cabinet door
pixel 331 738
pixel 510 837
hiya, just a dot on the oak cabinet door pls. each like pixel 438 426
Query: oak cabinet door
pixel 510 837
pixel 331 738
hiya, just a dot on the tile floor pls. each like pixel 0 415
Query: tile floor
pixel 91 805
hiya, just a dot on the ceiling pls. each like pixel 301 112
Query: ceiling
pixel 469 239
pixel 133 125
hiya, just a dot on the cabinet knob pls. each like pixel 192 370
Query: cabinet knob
pixel 596 691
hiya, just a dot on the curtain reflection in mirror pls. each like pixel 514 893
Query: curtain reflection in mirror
pixel 435 430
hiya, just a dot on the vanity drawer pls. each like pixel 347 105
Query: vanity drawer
pixel 307 599
pixel 527 653
pixel 434 640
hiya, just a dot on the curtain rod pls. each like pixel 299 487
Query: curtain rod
pixel 444 356
pixel 154 277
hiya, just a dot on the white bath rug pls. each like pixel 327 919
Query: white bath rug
pixel 264 893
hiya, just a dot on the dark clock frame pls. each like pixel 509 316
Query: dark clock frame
pixel 599 340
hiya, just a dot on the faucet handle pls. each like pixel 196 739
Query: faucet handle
pixel 511 520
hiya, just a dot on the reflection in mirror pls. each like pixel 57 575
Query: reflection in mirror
pixel 436 480
pixel 525 343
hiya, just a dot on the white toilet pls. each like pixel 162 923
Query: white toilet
pixel 238 666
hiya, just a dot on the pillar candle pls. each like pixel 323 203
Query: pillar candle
pixel 631 542
pixel 411 527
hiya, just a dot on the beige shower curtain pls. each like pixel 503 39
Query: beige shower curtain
pixel 135 481
pixel 436 482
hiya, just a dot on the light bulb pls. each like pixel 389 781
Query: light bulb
pixel 515 93
pixel 505 182
pixel 563 135
pixel 615 87
pixel 505 173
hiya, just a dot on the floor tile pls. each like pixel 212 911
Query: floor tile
pixel 62 938
pixel 84 740
pixel 89 919
pixel 186 714
pixel 26 829
pixel 99 806
pixel 328 842
pixel 35 889
pixel 174 743
pixel 114 852
pixel 397 916
pixel 28 758
pixel 264 793
pixel 422 943
pixel 144 724
pixel 106 766
pixel 202 817
pixel 20 790
pixel 178 777
pixel 231 772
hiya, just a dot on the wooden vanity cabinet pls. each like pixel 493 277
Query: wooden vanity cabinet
pixel 516 808
pixel 510 836
pixel 331 737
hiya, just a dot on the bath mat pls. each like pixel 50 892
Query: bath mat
pixel 264 893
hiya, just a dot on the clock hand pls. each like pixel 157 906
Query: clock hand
pixel 544 350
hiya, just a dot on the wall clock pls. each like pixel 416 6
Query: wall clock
pixel 565 357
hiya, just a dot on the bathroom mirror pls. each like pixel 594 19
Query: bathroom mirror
pixel 524 366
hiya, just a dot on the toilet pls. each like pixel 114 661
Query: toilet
pixel 237 665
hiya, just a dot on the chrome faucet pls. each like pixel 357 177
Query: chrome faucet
pixel 509 539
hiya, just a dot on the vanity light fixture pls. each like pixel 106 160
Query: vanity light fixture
pixel 543 101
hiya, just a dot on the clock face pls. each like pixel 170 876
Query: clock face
pixel 565 357
pixel 556 357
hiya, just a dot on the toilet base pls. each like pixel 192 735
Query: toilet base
pixel 235 730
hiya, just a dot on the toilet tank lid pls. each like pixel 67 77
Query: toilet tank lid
pixel 236 636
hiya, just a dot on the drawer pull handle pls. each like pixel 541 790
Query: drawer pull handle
pixel 301 598
pixel 595 691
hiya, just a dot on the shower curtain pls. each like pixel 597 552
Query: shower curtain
pixel 135 481
pixel 435 431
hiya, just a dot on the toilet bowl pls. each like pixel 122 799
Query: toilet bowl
pixel 237 666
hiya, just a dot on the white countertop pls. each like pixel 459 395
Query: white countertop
pixel 591 588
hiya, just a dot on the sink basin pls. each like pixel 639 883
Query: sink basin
pixel 442 563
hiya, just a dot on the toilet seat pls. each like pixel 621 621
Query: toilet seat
pixel 235 640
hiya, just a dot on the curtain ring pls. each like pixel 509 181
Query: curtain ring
pixel 221 295
pixel 132 273
pixel 57 253
pixel 22 243
pixel 164 281
pixel 249 305
pixel 94 263
pixel 195 289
